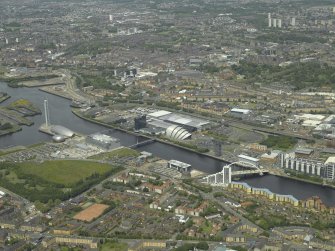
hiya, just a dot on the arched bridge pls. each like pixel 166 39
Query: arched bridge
pixel 223 178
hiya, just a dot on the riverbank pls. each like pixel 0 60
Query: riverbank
pixel 303 180
pixel 4 98
pixel 54 93
pixel 147 137
pixel 10 131
pixel 194 151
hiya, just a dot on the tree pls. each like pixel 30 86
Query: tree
pixel 202 245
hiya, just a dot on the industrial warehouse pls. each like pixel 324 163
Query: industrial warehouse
pixel 173 125
pixel 165 119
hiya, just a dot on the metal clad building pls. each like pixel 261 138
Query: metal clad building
pixel 179 166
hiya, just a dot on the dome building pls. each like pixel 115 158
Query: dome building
pixel 178 133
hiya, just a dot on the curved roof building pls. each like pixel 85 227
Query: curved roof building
pixel 62 131
pixel 58 138
pixel 177 132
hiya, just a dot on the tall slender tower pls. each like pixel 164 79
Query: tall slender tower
pixel 226 171
pixel 279 23
pixel 274 22
pixel 269 20
pixel 46 113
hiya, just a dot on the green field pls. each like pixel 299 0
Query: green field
pixel 53 180
pixel 280 142
pixel 65 172
pixel 114 246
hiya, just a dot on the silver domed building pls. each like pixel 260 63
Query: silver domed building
pixel 177 132
pixel 58 138
pixel 61 131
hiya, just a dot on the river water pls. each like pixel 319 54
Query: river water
pixel 60 113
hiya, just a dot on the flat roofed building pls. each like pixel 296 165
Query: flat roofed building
pixel 241 185
pixel 158 114
pixel 248 159
pixel 302 152
pixel 311 117
pixel 179 166
pixel 329 172
pixel 287 198
pixel 237 112
pixel 165 119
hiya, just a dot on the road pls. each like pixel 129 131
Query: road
pixel 72 89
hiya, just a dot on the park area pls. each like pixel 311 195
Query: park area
pixel 64 172
pixel 51 180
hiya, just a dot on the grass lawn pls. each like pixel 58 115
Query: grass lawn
pixel 65 172
pixel 114 246
pixel 12 177
pixel 118 153
pixel 280 142
pixel 64 248
pixel 51 180
pixel 206 227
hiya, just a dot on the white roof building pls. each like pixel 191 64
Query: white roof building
pixel 177 132
pixel 242 111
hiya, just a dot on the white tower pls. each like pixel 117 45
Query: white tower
pixel 269 20
pixel 111 18
pixel 46 113
pixel 279 23
pixel 293 21
pixel 17 40
pixel 226 171
pixel 274 22
pixel 6 41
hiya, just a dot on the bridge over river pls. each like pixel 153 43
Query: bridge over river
pixel 223 178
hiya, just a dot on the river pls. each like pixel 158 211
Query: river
pixel 60 113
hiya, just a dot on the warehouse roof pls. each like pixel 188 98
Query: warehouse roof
pixel 159 113
pixel 248 158
pixel 238 110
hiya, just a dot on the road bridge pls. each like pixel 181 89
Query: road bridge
pixel 223 178
pixel 142 143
